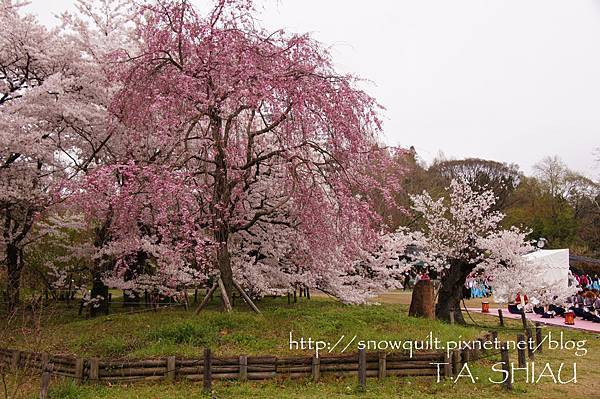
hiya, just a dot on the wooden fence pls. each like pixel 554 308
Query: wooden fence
pixel 207 368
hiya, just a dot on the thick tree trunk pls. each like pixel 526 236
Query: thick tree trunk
pixel 99 289
pixel 220 203
pixel 223 263
pixel 14 263
pixel 451 292
pixel 133 299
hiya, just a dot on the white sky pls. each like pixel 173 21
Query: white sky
pixel 507 80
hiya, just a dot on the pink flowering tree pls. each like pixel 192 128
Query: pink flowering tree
pixel 154 241
pixel 276 144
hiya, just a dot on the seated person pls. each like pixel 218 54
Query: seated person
pixel 514 308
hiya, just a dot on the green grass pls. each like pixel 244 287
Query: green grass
pixel 181 333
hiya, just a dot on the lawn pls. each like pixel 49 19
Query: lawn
pixel 179 332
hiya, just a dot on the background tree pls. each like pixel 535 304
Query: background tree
pixel 501 178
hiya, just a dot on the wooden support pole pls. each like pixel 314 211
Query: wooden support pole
pixel 207 297
pixel 224 296
pixel 207 380
pixel 316 368
pixel 362 368
pixel 506 367
pixel 538 337
pixel 246 297
pixel 243 368
pixel 521 350
pixel 501 316
pixel 171 368
pixel 382 365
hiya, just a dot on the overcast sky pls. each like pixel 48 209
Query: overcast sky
pixel 512 81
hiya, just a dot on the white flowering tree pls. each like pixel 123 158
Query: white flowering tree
pixel 460 235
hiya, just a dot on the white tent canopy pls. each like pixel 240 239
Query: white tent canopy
pixel 550 265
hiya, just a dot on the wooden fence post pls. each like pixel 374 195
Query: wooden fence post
pixel 382 365
pixel 362 368
pixel 538 337
pixel 45 383
pixel 501 316
pixel 455 362
pixel 94 369
pixel 207 380
pixel 44 361
pixel 506 367
pixel 316 368
pixel 79 370
pixel 448 365
pixel 466 355
pixel 524 320
pixel 171 368
pixel 520 350
pixel 243 368
pixel 15 360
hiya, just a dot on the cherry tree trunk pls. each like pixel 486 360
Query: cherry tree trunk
pixel 14 265
pixel 223 262
pixel 451 292
pixel 99 289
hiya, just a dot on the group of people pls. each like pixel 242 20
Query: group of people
pixel 477 288
pixel 588 282
pixel 585 305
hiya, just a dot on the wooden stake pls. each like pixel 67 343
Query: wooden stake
pixel 501 317
pixel 246 297
pixel 226 302
pixel 207 297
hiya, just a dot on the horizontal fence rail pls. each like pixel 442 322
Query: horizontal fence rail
pixel 362 364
